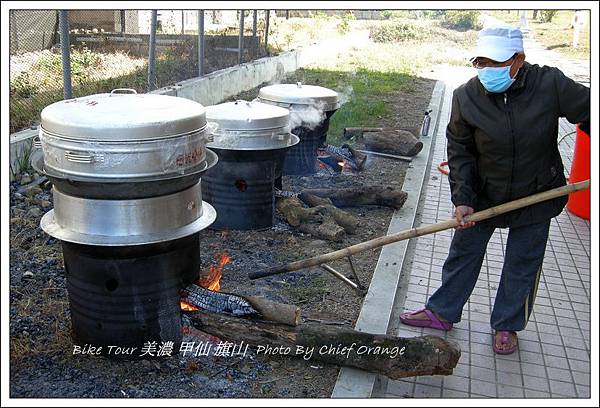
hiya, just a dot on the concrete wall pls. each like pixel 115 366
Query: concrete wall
pixel 220 85
pixel 20 142
pixel 89 19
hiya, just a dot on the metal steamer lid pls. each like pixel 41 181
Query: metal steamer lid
pixel 244 125
pixel 118 116
pixel 299 94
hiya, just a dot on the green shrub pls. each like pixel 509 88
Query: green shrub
pixel 412 14
pixel 344 26
pixel 22 86
pixel 395 32
pixel 395 14
pixel 50 63
pixel 433 14
pixel 463 19
pixel 546 16
pixel 83 61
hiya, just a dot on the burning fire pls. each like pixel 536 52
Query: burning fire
pixel 212 281
pixel 185 306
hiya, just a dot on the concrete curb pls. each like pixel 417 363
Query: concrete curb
pixel 379 302
pixel 19 143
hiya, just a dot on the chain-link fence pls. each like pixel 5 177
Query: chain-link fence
pixel 110 49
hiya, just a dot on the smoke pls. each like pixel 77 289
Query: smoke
pixel 345 94
pixel 308 116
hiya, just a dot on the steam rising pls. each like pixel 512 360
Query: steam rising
pixel 308 116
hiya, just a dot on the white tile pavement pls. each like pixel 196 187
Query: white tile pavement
pixel 553 359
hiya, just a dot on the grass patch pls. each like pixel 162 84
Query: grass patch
pixel 23 162
pixel 363 92
pixel 315 288
pixel 367 77
pixel 49 313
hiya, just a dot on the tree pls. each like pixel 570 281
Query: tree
pixel 547 15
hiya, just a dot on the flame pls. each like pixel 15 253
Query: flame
pixel 185 306
pixel 342 164
pixel 213 280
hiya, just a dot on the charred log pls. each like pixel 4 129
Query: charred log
pixel 217 302
pixel 347 153
pixel 394 357
pixel 351 197
pixel 221 302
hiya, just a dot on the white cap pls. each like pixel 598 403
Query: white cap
pixel 498 43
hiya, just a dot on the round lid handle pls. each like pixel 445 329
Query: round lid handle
pixel 123 91
pixel 299 84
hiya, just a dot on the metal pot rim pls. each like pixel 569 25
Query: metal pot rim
pixel 121 142
pixel 299 95
pixel 37 162
pixel 294 140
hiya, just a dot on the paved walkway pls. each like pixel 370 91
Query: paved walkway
pixel 553 359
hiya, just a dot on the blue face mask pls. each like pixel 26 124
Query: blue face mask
pixel 495 79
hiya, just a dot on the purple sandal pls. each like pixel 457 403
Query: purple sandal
pixel 433 322
pixel 504 336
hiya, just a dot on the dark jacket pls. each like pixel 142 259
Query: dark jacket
pixel 504 146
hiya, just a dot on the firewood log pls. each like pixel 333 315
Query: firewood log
pixel 276 312
pixel 394 357
pixel 401 142
pixel 217 302
pixel 314 221
pixel 294 212
pixel 346 220
pixel 327 229
pixel 370 195
pixel 237 305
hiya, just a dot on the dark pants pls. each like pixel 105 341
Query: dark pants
pixel 521 271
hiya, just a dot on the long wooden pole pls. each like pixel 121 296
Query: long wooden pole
pixel 417 232
pixel 390 156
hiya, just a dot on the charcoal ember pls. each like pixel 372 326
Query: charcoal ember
pixel 217 302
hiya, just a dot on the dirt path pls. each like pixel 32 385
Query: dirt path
pixel 42 364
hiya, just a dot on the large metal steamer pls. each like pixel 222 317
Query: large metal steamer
pixel 310 107
pixel 251 140
pixel 128 210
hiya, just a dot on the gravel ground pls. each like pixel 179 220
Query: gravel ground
pixel 42 364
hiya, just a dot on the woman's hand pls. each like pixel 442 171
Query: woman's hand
pixel 460 212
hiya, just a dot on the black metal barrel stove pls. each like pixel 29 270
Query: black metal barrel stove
pixel 128 210
pixel 310 107
pixel 251 141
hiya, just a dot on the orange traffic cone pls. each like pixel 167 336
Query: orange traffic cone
pixel 579 203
